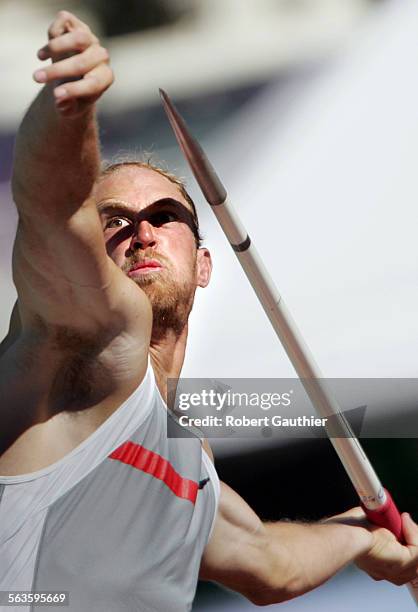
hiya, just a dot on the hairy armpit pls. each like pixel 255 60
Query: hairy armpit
pixel 48 371
pixel 83 378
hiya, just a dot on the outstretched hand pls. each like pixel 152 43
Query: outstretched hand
pixel 80 71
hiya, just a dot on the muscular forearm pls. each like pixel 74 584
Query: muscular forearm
pixel 56 158
pixel 300 557
pixel 274 562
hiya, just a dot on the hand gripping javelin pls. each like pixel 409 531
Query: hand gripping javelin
pixel 375 500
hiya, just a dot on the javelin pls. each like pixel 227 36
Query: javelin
pixel 375 500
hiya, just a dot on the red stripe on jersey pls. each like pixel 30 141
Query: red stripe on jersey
pixel 151 463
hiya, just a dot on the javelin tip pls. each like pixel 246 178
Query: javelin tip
pixel 205 175
pixel 163 94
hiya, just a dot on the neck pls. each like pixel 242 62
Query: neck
pixel 167 357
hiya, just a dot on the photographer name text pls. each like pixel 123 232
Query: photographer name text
pixel 244 421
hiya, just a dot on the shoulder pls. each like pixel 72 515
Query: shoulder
pixel 206 447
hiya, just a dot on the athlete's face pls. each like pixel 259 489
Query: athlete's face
pixel 147 229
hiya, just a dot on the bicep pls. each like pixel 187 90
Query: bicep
pixel 235 552
pixel 64 276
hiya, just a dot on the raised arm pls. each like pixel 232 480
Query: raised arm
pixel 273 562
pixel 61 270
pixel 57 152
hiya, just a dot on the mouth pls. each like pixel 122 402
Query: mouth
pixel 145 267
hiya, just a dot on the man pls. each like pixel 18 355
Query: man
pixel 94 499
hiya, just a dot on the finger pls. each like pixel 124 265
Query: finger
pixel 70 42
pixel 65 22
pixel 92 85
pixel 409 529
pixel 75 66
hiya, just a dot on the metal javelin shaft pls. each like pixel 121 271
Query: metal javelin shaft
pixel 376 500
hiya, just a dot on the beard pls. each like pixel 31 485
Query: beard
pixel 171 299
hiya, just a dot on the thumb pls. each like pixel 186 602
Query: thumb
pixel 409 530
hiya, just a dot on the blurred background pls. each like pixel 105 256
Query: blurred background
pixel 308 110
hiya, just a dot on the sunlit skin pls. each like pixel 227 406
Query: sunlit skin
pixel 146 225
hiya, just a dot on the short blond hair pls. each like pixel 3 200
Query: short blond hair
pixel 146 162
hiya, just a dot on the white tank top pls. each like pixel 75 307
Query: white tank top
pixel 120 523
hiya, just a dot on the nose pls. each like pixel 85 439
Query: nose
pixel 143 237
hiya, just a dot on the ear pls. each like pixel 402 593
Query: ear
pixel 203 267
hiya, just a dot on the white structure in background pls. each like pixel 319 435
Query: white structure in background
pixel 220 44
pixel 329 196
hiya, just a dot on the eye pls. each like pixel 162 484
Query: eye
pixel 116 223
pixel 162 217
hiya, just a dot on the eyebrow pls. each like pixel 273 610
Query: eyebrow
pixel 119 206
